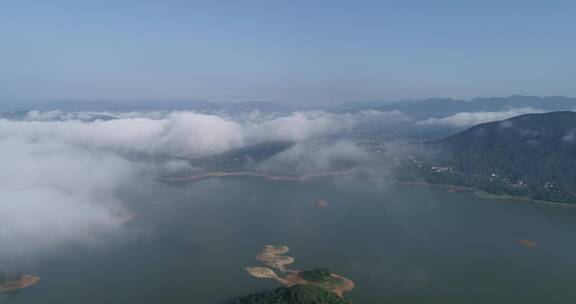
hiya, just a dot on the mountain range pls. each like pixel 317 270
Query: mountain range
pixel 441 107
pixel 417 109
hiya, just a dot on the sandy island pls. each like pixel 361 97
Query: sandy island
pixel 23 281
pixel 273 257
pixel 262 272
pixel 322 204
pixel 528 243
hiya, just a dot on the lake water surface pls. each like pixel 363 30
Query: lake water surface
pixel 190 244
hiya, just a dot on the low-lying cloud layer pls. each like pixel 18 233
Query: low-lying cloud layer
pixel 468 119
pixel 61 174
pixel 53 193
pixel 178 134
pixel 310 157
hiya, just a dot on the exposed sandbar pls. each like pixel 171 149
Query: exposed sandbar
pixel 23 281
pixel 272 257
pixel 528 243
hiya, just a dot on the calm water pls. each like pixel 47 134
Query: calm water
pixel 190 244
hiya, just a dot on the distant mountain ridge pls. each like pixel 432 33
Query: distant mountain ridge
pixel 417 109
pixel 441 107
pixel 168 105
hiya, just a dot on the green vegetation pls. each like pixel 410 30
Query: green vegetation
pixel 316 275
pixel 298 294
pixel 530 156
pixel 323 278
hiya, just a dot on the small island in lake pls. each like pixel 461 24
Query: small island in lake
pixel 322 204
pixel 314 280
pixel 10 283
pixel 528 243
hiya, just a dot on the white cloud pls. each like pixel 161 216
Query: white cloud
pixel 61 172
pixel 177 133
pixel 298 126
pixel 388 116
pixel 570 136
pixel 468 119
pixel 53 194
pixel 309 157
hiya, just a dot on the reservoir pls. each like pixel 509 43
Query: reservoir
pixel 191 242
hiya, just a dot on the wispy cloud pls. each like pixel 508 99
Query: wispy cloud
pixel 468 119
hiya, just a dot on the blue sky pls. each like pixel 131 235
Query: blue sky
pixel 288 51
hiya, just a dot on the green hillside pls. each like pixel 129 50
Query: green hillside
pixel 298 294
pixel 531 155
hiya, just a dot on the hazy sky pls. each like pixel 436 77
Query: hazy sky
pixel 294 51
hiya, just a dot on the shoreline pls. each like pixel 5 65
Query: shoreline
pixel 207 175
pixel 24 281
pixel 487 195
pixel 295 278
pixel 274 257
pixel 451 188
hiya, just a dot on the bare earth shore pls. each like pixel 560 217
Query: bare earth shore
pixel 274 257
pixel 23 281
pixel 485 194
pixel 304 177
pixel 451 188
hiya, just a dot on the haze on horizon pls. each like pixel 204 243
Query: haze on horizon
pixel 149 149
pixel 295 52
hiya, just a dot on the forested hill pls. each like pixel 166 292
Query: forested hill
pixel 298 294
pixel 535 151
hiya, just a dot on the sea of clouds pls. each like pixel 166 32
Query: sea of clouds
pixel 62 172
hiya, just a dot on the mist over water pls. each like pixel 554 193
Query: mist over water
pixel 64 175
pixel 84 208
pixel 399 244
pixel 149 150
